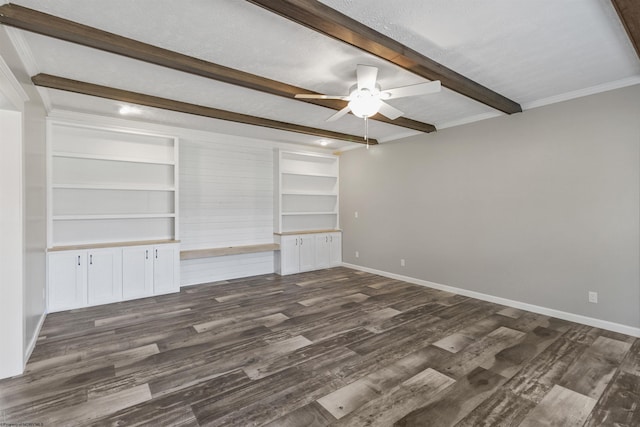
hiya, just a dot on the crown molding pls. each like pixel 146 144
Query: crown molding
pixel 470 119
pixel 605 87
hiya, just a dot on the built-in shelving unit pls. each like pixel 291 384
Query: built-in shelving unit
pixel 306 220
pixel 113 215
pixel 110 185
pixel 307 192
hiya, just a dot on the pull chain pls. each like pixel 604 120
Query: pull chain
pixel 366 130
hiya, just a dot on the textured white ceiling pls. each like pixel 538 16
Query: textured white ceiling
pixel 530 51
pixel 526 50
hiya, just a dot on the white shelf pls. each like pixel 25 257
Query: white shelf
pixel 308 193
pixel 323 175
pixel 125 187
pixel 72 155
pixel 111 216
pixel 305 156
pixel 309 213
pixel 107 184
pixel 306 190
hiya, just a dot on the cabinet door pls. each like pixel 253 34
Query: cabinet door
pixel 67 281
pixel 335 241
pixel 290 254
pixel 307 252
pixel 323 251
pixel 104 276
pixel 137 272
pixel 165 269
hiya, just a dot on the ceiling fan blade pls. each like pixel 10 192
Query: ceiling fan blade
pixel 367 76
pixel 389 111
pixel 318 96
pixel 339 114
pixel 413 90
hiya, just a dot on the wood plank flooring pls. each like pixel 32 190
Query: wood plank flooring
pixel 333 347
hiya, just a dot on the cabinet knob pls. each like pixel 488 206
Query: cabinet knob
pixel 146 254
pixel 156 254
pixel 78 259
pixel 301 241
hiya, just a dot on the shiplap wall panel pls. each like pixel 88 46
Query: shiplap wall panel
pixel 226 199
pixel 207 270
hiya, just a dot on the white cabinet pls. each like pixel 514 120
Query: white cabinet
pixel 137 272
pixel 306 252
pixel 67 280
pixel 290 255
pixel 297 253
pixel 81 278
pixel 323 251
pixel 150 270
pixel 166 267
pixel 104 276
pixel 335 241
pixel 328 250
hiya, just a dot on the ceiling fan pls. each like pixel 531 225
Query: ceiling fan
pixel 366 98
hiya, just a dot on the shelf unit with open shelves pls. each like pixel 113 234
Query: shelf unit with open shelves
pixel 306 191
pixel 112 215
pixel 306 217
pixel 109 185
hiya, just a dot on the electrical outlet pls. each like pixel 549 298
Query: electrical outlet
pixel 402 262
pixel 355 214
pixel 357 254
pixel 593 297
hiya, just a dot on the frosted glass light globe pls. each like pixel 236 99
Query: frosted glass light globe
pixel 364 103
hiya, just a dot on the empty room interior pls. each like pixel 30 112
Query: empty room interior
pixel 320 213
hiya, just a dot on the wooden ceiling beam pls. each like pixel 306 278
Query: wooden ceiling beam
pixel 63 29
pixel 325 20
pixel 629 13
pixel 61 83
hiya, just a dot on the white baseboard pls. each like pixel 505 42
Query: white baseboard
pixel 34 339
pixel 589 321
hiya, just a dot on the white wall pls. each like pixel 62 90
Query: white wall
pixel 23 211
pixel 11 267
pixel 35 221
pixel 539 207
pixel 226 199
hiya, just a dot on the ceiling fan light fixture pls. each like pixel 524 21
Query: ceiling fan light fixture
pixel 365 103
pixel 366 98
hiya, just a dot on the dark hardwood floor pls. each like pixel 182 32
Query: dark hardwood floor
pixel 332 347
